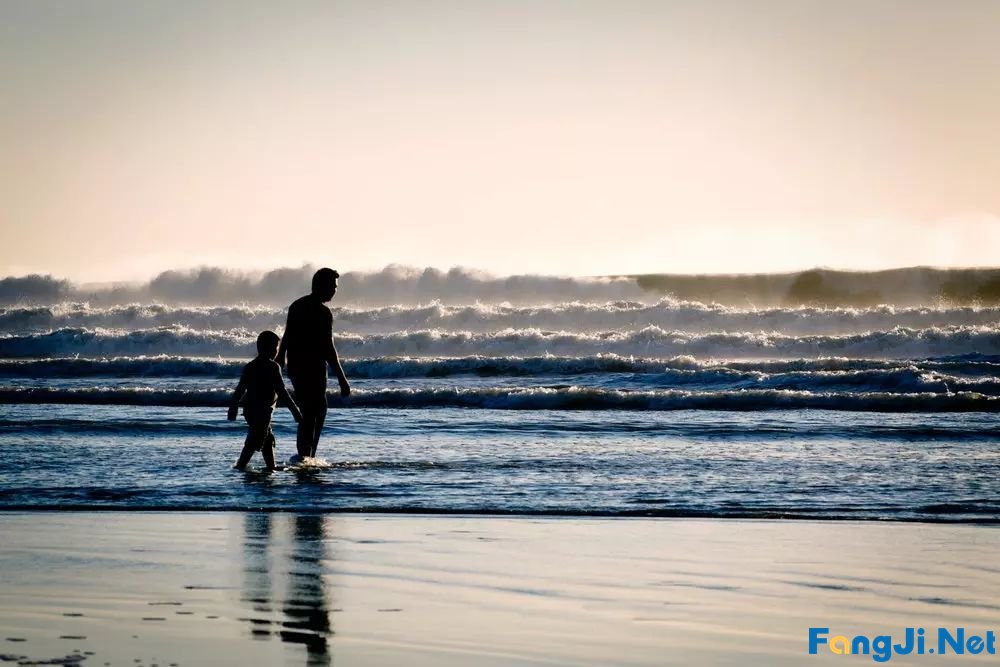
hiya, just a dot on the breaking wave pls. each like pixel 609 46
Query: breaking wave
pixel 542 398
pixel 409 285
pixel 648 342
pixel 480 318
pixel 971 373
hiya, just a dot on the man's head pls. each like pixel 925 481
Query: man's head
pixel 267 344
pixel 324 284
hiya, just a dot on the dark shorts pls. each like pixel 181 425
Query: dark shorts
pixel 310 391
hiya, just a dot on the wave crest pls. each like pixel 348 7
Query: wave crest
pixel 408 285
pixel 541 398
pixel 480 318
pixel 648 342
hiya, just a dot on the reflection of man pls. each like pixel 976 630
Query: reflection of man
pixel 307 347
pixel 306 617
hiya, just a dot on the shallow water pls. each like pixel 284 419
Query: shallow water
pixel 802 463
pixel 617 408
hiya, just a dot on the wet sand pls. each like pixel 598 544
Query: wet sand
pixel 162 589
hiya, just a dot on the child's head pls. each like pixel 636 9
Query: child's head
pixel 267 344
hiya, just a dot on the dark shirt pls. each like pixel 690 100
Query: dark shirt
pixel 261 381
pixel 308 339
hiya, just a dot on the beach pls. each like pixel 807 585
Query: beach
pixel 599 483
pixel 145 588
pixel 499 334
pixel 574 482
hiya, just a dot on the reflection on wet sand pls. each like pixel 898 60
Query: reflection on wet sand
pixel 296 567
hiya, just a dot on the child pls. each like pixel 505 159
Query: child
pixel 262 384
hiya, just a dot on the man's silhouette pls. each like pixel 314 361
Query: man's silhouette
pixel 307 347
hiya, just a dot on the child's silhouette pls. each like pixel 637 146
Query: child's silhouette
pixel 262 385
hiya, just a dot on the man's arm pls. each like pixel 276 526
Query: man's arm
pixel 283 345
pixel 345 387
pixel 333 359
pixel 234 401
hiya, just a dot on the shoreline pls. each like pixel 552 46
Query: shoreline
pixel 263 588
pixel 416 512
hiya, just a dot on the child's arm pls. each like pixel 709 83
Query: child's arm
pixel 279 386
pixel 234 402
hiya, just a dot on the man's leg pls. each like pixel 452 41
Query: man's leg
pixel 310 395
pixel 320 419
pixel 304 432
pixel 310 429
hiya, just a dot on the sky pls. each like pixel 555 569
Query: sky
pixel 576 138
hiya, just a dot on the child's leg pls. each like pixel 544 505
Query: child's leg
pixel 267 448
pixel 256 432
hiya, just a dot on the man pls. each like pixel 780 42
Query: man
pixel 307 347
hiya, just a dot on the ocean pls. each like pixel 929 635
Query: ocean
pixel 612 402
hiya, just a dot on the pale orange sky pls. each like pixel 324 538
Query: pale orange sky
pixel 557 137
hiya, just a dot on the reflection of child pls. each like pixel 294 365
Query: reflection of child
pixel 262 384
